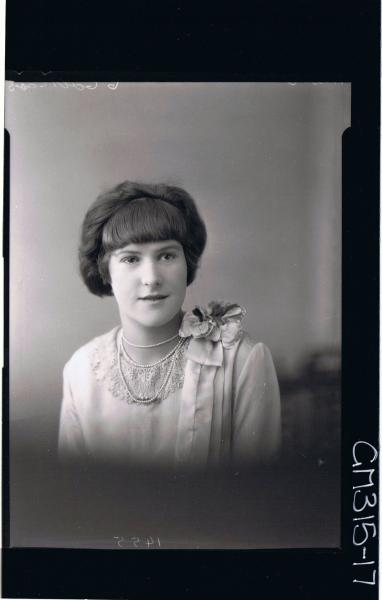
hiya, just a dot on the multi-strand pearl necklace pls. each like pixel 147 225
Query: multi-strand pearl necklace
pixel 173 353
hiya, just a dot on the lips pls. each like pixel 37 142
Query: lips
pixel 153 297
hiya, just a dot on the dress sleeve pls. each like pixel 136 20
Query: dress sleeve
pixel 256 410
pixel 71 443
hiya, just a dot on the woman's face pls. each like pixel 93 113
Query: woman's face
pixel 149 281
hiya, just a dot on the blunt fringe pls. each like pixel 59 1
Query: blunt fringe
pixel 137 213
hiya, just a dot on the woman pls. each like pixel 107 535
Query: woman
pixel 163 388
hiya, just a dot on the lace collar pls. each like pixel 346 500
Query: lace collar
pixel 104 364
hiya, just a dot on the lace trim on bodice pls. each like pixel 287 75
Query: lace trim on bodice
pixel 145 381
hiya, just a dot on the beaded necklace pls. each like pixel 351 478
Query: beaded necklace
pixel 149 369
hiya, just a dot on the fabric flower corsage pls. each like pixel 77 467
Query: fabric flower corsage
pixel 219 321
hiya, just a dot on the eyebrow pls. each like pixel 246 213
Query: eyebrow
pixel 164 249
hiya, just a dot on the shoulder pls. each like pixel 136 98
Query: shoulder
pixel 249 352
pixel 89 354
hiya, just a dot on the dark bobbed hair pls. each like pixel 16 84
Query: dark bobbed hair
pixel 137 213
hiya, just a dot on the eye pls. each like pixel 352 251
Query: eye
pixel 130 259
pixel 168 256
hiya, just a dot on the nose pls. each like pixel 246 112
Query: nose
pixel 150 274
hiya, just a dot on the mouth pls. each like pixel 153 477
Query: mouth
pixel 153 298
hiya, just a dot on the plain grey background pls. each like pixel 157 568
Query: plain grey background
pixel 263 162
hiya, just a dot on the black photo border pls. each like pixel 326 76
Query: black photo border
pixel 294 41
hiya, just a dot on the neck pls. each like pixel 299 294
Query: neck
pixel 144 336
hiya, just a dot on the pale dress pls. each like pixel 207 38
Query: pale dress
pixel 220 407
